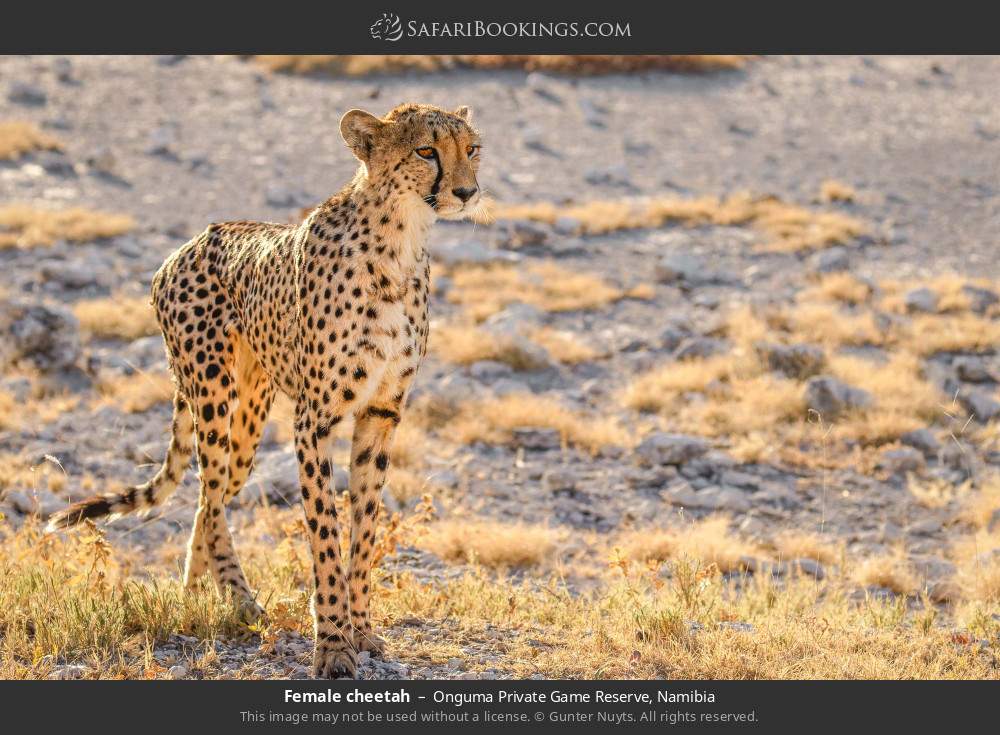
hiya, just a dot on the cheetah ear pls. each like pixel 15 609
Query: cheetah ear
pixel 359 128
pixel 464 112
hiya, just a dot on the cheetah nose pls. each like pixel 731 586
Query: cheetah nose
pixel 465 193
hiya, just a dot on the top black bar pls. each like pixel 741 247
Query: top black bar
pixel 505 27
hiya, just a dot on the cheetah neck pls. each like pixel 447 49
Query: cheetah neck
pixel 400 224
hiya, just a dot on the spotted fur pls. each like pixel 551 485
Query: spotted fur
pixel 333 313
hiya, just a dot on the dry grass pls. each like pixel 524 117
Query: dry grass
pixel 929 334
pixel 708 540
pixel 948 287
pixel 464 345
pixel 563 346
pixel 792 544
pixel 836 191
pixel 118 317
pixel 785 227
pixel 981 508
pixel 486 289
pixel 493 421
pixel 492 544
pixel 18 137
pixel 24 226
pixel 892 571
pixel 843 287
pixel 354 66
pixel 77 599
pixel 137 393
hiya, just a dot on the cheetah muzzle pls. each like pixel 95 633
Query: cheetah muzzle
pixel 333 313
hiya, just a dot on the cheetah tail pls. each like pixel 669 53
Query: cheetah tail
pixel 143 497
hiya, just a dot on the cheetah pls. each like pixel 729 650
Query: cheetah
pixel 333 313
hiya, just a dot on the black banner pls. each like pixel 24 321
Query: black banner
pixel 515 706
pixel 510 27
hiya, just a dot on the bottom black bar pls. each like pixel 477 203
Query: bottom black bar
pixel 515 706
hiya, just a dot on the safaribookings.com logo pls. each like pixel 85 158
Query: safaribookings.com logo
pixel 390 28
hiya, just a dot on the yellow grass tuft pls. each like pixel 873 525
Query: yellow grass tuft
pixel 486 289
pixel 117 317
pixel 18 137
pixel 493 421
pixel 563 346
pixel 137 393
pixel 708 540
pixel 464 345
pixel 791 544
pixel 842 287
pixel 24 226
pixel 892 571
pixel 836 191
pixel 492 544
pixel 785 227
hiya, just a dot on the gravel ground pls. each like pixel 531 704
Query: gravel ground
pixel 181 142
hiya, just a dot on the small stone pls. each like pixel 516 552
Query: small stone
pixel 831 260
pixel 795 361
pixel 663 448
pixel 22 93
pixel 177 672
pixel 832 398
pixel 559 480
pixel 45 335
pixel 922 439
pixel 525 233
pixel 980 299
pixel 489 371
pixel 700 347
pixel 972 370
pixel 609 176
pixel 808 566
pixel 68 671
pixel 921 300
pixel 537 439
pixel 982 406
pixel 723 498
pixel 162 141
pixel 688 270
pixel 902 460
pixel 472 251
pixel 566 225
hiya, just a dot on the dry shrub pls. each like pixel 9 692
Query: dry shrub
pixel 24 226
pixel 930 492
pixel 708 540
pixel 836 191
pixel 978 558
pixel 486 289
pixel 981 508
pixel 563 346
pixel 571 64
pixel 117 317
pixel 10 411
pixel 786 227
pixel 18 137
pixel 493 421
pixel 892 571
pixel 492 544
pixel 464 345
pixel 948 287
pixel 828 325
pixel 843 287
pixel 929 334
pixel 793 544
pixel 137 393
pixel 903 399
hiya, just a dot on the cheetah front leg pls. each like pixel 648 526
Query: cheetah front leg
pixel 335 655
pixel 373 434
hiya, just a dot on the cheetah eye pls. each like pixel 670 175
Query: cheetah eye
pixel 426 152
pixel 471 150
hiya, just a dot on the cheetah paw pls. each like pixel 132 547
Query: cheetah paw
pixel 368 641
pixel 250 612
pixel 334 664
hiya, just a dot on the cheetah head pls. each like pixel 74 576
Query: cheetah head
pixel 426 155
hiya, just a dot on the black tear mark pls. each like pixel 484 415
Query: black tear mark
pixel 436 186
